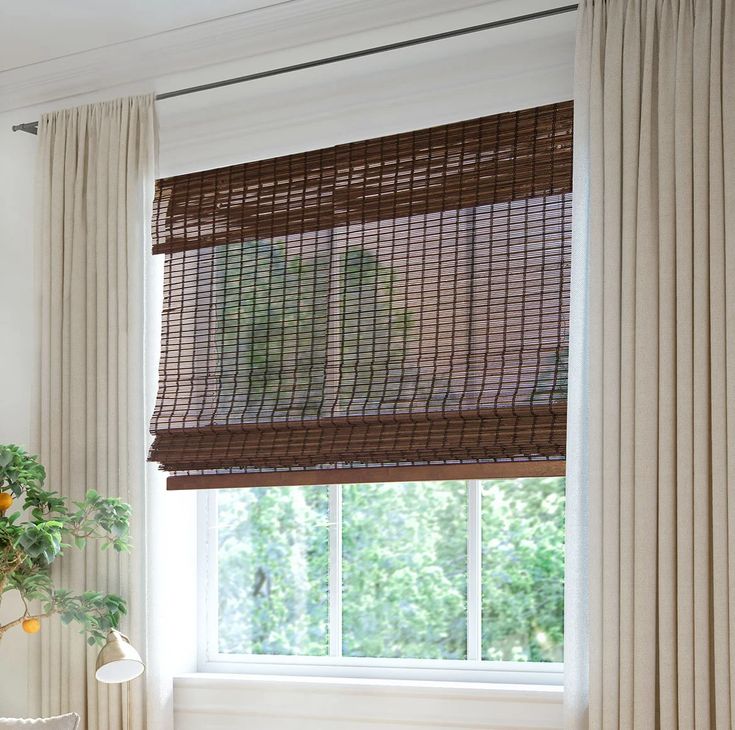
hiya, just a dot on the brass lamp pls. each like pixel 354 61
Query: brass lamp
pixel 118 661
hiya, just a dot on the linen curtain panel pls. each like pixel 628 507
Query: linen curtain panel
pixel 94 198
pixel 652 376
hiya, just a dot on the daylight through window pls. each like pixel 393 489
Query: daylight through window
pixel 450 570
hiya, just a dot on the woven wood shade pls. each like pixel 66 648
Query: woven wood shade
pixel 390 307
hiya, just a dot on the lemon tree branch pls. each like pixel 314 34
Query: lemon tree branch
pixel 37 534
pixel 21 619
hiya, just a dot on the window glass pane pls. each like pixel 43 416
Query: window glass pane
pixel 404 556
pixel 523 569
pixel 272 570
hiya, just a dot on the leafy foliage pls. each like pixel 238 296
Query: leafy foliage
pixel 404 562
pixel 272 570
pixel 404 550
pixel 289 338
pixel 265 330
pixel 523 569
pixel 32 538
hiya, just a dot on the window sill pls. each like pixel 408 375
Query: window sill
pixel 526 691
pixel 278 702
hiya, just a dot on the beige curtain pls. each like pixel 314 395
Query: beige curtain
pixel 94 197
pixel 653 442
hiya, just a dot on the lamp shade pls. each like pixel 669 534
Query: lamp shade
pixel 118 661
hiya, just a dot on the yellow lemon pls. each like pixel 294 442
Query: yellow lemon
pixel 31 626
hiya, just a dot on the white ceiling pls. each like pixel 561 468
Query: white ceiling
pixel 32 31
pixel 52 51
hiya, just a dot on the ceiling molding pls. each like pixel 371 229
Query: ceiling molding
pixel 235 38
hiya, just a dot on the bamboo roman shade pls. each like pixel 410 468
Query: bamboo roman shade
pixel 397 302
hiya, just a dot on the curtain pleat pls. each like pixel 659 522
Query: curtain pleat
pixel 651 460
pixel 94 197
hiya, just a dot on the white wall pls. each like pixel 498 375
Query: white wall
pixel 18 364
pixel 500 70
pixel 232 702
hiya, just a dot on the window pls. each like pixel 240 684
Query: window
pixel 386 321
pixel 447 578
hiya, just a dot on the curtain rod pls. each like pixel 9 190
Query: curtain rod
pixel 32 127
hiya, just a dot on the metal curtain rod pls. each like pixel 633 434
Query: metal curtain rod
pixel 32 127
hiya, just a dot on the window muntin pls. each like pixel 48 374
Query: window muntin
pixel 476 583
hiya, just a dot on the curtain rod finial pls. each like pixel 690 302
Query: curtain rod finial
pixel 30 127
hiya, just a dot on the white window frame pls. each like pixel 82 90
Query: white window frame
pixel 472 669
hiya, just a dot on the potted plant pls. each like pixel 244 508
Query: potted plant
pixel 36 527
